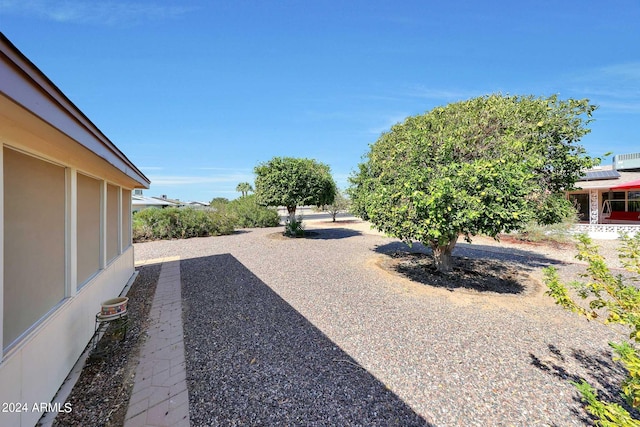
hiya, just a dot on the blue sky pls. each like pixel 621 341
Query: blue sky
pixel 196 93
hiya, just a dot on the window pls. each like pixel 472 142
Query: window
pixel 88 238
pixel 113 221
pixel 34 241
pixel 634 201
pixel 126 219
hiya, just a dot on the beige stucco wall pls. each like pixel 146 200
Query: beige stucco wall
pixel 34 370
pixel 46 226
pixel 45 236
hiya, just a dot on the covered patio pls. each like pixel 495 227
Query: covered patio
pixel 608 202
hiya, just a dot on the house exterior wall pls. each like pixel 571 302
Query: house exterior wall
pixel 49 306
pixel 54 226
pixel 33 371
pixel 596 224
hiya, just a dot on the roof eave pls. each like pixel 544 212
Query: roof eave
pixel 30 88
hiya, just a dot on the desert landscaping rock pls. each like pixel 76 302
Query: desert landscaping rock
pixel 100 397
pixel 313 332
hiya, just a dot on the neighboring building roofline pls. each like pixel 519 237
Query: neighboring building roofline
pixel 144 201
pixel 25 84
pixel 605 184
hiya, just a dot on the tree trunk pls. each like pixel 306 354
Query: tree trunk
pixel 442 255
pixel 292 213
pixel 333 214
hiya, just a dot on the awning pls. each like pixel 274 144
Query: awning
pixel 631 185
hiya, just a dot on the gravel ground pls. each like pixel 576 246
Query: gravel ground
pixel 313 332
pixel 100 397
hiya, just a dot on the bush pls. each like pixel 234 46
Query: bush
pixel 611 299
pixel 247 213
pixel 219 203
pixel 340 204
pixel 294 228
pixel 179 223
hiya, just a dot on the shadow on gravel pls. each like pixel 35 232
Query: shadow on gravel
pixel 252 359
pixel 241 231
pixel 318 234
pixel 475 270
pixel 528 259
pixel 603 374
pixel 333 233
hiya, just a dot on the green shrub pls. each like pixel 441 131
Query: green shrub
pixel 611 299
pixel 247 213
pixel 218 203
pixel 179 223
pixel 340 204
pixel 294 228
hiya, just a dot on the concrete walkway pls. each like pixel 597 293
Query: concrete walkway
pixel 160 396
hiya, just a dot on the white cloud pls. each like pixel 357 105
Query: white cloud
pixel 445 95
pixel 614 87
pixel 178 180
pixel 630 71
pixel 385 123
pixel 110 12
pixel 213 168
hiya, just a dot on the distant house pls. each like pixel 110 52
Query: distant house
pixel 139 202
pixel 197 204
pixel 608 197
pixel 66 232
pixel 174 202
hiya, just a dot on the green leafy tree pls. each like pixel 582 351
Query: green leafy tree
pixel 218 202
pixel 244 188
pixel 339 204
pixel 292 182
pixel 247 213
pixel 612 299
pixel 360 190
pixel 482 166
